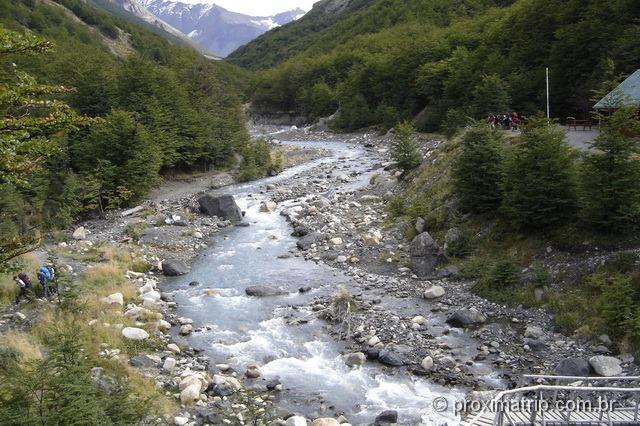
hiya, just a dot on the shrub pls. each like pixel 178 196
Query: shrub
pixel 404 149
pixel 540 185
pixel 477 171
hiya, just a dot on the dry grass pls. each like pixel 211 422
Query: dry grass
pixel 23 343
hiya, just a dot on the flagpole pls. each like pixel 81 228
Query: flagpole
pixel 548 112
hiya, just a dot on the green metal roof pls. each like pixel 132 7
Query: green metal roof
pixel 627 93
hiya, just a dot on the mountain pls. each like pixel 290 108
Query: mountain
pixel 283 42
pixel 214 27
pixel 133 12
pixel 438 61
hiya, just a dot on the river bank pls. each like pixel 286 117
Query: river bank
pixel 295 349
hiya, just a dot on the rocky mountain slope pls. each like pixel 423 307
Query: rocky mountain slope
pixel 134 13
pixel 220 30
pixel 284 42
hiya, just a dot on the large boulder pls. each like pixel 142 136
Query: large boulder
pixel 174 267
pixel 573 367
pixel 426 255
pixel 466 317
pixel 308 240
pixel 191 393
pixel 355 358
pixel 387 417
pixel 134 333
pixel 606 366
pixel 223 206
pixel 391 358
pixel 263 291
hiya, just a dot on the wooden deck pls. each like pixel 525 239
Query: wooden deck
pixel 623 394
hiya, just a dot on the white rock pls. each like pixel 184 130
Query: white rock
pixel 198 235
pixel 325 421
pixel 163 325
pixel 152 295
pixel 183 320
pixel 296 421
pixel 341 259
pixel 606 366
pixel 374 340
pixel 173 348
pixel 169 364
pixel 268 207
pixel 336 241
pixel 533 332
pixel 19 316
pixel 180 421
pixel 80 233
pixel 427 363
pixel 186 329
pixel 191 393
pixel 135 333
pixel 114 299
pixel 433 292
pixel 418 320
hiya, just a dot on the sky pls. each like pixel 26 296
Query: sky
pixel 259 7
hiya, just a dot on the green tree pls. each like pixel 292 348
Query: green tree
pixel 477 171
pixel 491 96
pixel 121 156
pixel 31 123
pixel 404 149
pixel 540 185
pixel 610 173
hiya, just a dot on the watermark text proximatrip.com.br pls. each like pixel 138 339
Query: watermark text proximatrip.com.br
pixel 442 405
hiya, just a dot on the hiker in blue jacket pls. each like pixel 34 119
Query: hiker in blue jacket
pixel 46 275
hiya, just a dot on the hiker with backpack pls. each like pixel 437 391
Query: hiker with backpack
pixel 46 274
pixel 24 282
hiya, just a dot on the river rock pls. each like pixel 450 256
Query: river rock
pixel 325 421
pixel 308 240
pixel 142 361
pixel 224 385
pixel 80 233
pixel 296 421
pixel 389 357
pixel 186 329
pixel 374 340
pixel 174 267
pixel 223 206
pixel 263 291
pixel 573 367
pixel 336 241
pixel 163 325
pixel 134 333
pixel 190 394
pixel 606 366
pixel 300 231
pixel 173 348
pixel 253 371
pixel 466 317
pixel 114 299
pixel 427 363
pixel 180 421
pixel 169 364
pixel 355 358
pixel 426 255
pixel 433 292
pixel 533 332
pixel 386 417
pixel 268 207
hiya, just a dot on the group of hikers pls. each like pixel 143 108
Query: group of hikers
pixel 46 277
pixel 508 121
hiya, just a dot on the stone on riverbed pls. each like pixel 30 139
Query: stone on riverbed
pixel 253 371
pixel 325 421
pixel 606 366
pixel 466 317
pixel 426 255
pixel 427 363
pixel 296 421
pixel 355 358
pixel 134 333
pixel 174 267
pixel 223 206
pixel 268 207
pixel 191 393
pixel 433 292
pixel 186 329
pixel 263 291
pixel 308 240
pixel 573 367
pixel 387 417
pixel 388 357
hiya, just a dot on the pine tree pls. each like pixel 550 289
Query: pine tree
pixel 610 173
pixel 540 186
pixel 404 149
pixel 477 171
pixel 491 96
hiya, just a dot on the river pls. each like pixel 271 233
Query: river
pixel 238 330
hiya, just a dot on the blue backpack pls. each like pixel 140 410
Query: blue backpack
pixel 45 273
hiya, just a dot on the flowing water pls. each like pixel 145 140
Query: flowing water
pixel 238 329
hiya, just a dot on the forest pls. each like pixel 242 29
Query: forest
pixel 438 61
pixel 132 108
